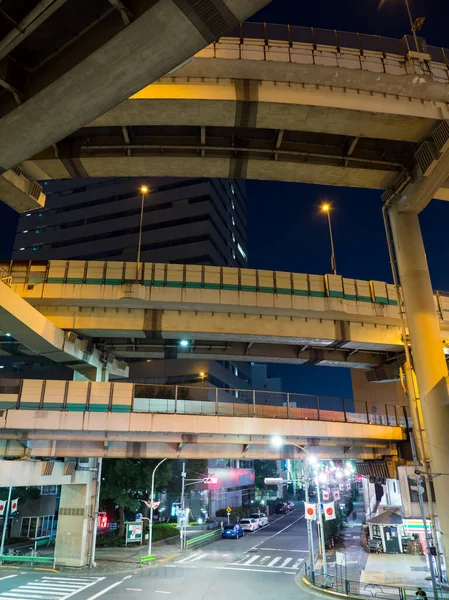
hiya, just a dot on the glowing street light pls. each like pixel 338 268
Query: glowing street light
pixel 184 343
pixel 143 190
pixel 326 208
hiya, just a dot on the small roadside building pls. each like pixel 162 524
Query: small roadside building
pixel 388 527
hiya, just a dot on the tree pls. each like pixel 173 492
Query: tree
pixel 126 482
pixel 263 469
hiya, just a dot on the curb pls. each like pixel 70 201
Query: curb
pixel 309 588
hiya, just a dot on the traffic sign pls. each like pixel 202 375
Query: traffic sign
pixel 229 510
pixel 210 480
pixel 138 516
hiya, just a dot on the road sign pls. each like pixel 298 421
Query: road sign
pixel 138 516
pixel 148 503
pixel 134 531
pixel 229 510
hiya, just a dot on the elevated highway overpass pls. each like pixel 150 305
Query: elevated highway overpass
pixel 274 102
pixel 74 419
pixel 64 63
pixel 241 314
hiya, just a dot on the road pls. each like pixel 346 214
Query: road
pixel 261 565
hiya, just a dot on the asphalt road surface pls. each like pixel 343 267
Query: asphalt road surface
pixel 259 566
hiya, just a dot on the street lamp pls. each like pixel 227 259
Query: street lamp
pixel 143 190
pixel 326 208
pixel 312 461
pixel 150 532
pixel 415 25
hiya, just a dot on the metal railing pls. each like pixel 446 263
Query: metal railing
pixel 184 399
pixel 338 40
pixel 201 400
pixel 363 589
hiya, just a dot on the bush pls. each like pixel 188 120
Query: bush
pixel 163 531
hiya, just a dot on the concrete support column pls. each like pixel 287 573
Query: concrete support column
pixel 427 349
pixel 102 373
pixel 74 523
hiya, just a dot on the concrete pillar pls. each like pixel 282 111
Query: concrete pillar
pixel 427 349
pixel 73 526
pixel 102 373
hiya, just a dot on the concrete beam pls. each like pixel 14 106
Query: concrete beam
pixel 31 473
pixel 29 327
pixel 20 193
pixel 210 450
pixel 137 55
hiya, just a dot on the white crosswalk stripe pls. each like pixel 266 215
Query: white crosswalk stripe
pixel 269 561
pixel 50 588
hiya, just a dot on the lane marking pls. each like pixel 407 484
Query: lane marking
pixel 9 576
pixel 252 570
pixel 106 589
pixel 265 559
pixel 251 560
pixel 278 532
pixel 161 592
pixel 283 550
pixel 199 557
pixel 298 563
pixel 274 561
pixel 286 561
pixel 190 558
pixel 134 590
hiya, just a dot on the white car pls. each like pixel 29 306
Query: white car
pixel 261 518
pixel 249 524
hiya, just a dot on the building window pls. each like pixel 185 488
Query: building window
pixel 35 527
pixel 242 252
pixel 49 490
pixel 376 531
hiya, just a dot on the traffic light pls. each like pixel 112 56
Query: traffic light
pixel 210 480
pixel 102 521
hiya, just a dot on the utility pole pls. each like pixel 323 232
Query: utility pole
pixel 5 521
pixel 150 532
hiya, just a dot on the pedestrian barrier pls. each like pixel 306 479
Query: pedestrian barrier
pixel 342 586
pixel 203 539
pixel 25 559
pixel 147 559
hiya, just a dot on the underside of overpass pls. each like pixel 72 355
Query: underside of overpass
pixel 63 63
pixel 143 435
pixel 268 109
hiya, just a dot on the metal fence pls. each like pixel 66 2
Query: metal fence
pixel 185 399
pixel 348 587
pixel 338 40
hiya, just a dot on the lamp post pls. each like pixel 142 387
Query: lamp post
pixel 150 532
pixel 326 209
pixel 412 25
pixel 278 442
pixel 143 190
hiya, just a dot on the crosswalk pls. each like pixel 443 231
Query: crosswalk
pixel 250 560
pixel 269 561
pixel 50 588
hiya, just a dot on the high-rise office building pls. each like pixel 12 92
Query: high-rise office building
pixel 188 221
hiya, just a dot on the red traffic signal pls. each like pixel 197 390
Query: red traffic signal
pixel 210 480
pixel 102 521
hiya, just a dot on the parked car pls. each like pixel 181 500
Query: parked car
pixel 232 531
pixel 261 517
pixel 281 508
pixel 249 524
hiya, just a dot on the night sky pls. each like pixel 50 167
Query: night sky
pixel 287 231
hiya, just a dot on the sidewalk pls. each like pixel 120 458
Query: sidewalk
pixel 381 569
